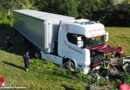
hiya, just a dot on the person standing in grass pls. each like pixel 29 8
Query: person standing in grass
pixel 26 60
pixel 70 67
pixel 105 66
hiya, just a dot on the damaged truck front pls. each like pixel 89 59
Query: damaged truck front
pixel 83 42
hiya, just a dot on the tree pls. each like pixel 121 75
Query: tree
pixel 86 7
pixel 71 8
pixel 105 5
pixel 64 7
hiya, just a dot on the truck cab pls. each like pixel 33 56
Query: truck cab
pixel 77 39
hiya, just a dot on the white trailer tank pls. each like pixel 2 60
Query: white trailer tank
pixel 38 27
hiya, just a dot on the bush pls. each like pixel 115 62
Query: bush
pixel 90 80
pixel 101 82
pixel 79 75
pixel 119 15
pixel 125 76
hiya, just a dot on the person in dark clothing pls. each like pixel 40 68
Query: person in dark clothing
pixel 105 66
pixel 70 67
pixel 26 61
pixel 8 43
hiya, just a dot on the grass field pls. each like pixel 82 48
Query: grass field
pixel 120 36
pixel 44 75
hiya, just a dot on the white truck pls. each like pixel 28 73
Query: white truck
pixel 61 38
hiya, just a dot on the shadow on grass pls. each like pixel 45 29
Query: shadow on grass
pixel 67 88
pixel 14 65
pixel 88 88
pixel 5 26
pixel 19 46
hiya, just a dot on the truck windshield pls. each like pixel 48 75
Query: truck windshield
pixel 95 41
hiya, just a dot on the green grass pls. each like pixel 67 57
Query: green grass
pixel 120 36
pixel 125 1
pixel 44 75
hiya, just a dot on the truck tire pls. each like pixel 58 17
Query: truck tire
pixel 37 54
pixel 65 64
pixel 20 37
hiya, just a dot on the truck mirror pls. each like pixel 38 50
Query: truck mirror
pixel 107 36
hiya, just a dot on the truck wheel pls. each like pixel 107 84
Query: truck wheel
pixel 72 64
pixel 37 54
pixel 18 35
pixel 21 37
